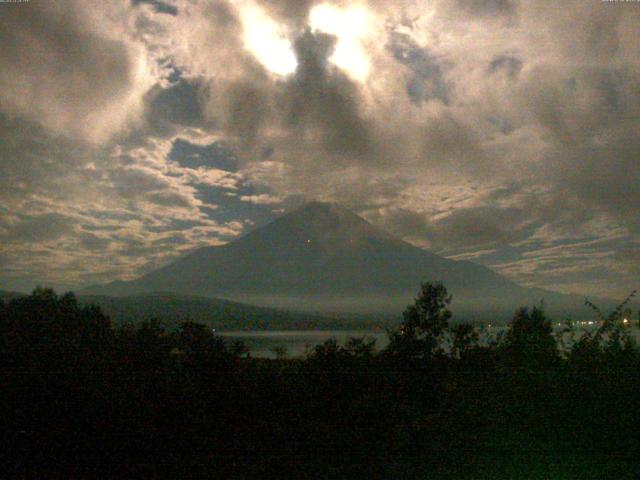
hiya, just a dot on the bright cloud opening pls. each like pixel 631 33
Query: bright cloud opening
pixel 350 25
pixel 266 39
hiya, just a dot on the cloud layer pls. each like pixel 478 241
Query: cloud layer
pixel 500 131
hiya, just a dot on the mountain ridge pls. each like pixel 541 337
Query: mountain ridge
pixel 322 257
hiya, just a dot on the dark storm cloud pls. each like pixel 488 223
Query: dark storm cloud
pixel 320 97
pixel 160 7
pixel 179 104
pixel 427 81
pixel 506 63
pixel 60 71
pixel 294 12
pixel 318 107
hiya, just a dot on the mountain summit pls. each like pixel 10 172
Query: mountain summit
pixel 324 258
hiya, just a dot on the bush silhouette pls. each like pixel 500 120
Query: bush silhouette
pixel 529 340
pixel 424 323
pixel 82 398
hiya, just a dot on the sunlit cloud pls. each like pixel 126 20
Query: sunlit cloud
pixel 267 40
pixel 351 25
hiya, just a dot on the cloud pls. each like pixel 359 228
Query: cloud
pixel 506 63
pixel 39 228
pixel 160 7
pixel 73 68
pixel 216 154
pixel 178 103
pixel 486 129
pixel 94 213
pixel 321 100
pixel 294 12
pixel 263 199
pixel 488 7
pixel 427 81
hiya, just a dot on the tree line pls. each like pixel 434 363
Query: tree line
pixel 82 398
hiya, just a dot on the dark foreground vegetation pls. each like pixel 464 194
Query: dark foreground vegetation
pixel 83 399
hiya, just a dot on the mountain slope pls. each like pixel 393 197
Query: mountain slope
pixel 324 258
pixel 172 309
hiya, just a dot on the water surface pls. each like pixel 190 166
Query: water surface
pixel 297 343
pixel 263 343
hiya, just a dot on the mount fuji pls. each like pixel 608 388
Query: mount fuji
pixel 322 258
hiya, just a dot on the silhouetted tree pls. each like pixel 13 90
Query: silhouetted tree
pixel 239 349
pixel 81 399
pixel 328 350
pixel 201 348
pixel 529 340
pixel 610 341
pixel 280 352
pixel 424 323
pixel 361 347
pixel 464 337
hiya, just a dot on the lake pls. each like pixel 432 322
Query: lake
pixel 298 342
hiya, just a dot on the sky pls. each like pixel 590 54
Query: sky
pixel 504 132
